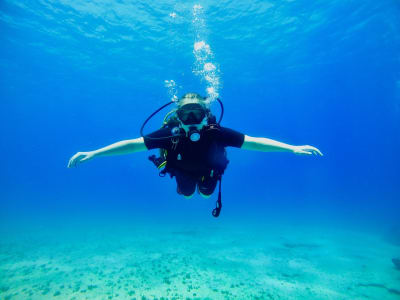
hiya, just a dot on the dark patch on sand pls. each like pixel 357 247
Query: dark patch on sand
pixel 396 262
pixel 301 245
pixel 379 285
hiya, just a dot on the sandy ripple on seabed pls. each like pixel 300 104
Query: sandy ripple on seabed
pixel 174 262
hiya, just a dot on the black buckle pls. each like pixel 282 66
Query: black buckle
pixel 217 210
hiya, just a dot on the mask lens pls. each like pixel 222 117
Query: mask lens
pixel 192 116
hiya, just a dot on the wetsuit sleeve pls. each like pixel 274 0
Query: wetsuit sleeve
pixel 158 139
pixel 232 138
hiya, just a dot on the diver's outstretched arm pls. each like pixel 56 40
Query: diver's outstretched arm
pixel 122 147
pixel 268 145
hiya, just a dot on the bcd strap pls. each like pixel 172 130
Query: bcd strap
pixel 216 211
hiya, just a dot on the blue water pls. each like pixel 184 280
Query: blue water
pixel 78 75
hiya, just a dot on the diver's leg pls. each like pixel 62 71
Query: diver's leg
pixel 206 186
pixel 186 185
pixel 205 196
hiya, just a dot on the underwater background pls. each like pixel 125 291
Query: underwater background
pixel 79 75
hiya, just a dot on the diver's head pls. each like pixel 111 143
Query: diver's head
pixel 192 109
pixel 193 114
pixel 192 98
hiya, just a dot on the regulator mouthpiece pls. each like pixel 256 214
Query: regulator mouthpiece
pixel 194 134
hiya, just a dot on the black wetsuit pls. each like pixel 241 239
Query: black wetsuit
pixel 196 163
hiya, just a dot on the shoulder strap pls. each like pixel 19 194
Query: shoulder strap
pixel 212 119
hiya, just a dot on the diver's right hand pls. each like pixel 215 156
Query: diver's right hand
pixel 80 157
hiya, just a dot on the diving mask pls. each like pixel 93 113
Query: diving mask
pixel 192 113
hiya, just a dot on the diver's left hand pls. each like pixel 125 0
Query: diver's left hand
pixel 306 149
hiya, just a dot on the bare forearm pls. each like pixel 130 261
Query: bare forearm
pixel 122 147
pixel 265 145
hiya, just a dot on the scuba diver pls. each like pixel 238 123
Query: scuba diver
pixel 192 147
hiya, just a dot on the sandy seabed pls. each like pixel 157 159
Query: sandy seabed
pixel 177 261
